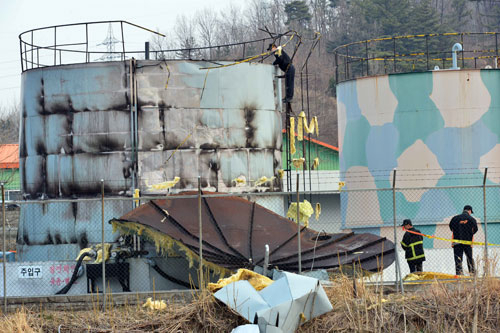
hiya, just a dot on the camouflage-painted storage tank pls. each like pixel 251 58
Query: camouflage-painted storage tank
pixel 439 128
pixel 77 128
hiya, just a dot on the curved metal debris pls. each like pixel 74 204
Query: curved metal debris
pixel 235 232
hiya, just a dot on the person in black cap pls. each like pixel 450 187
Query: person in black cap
pixel 285 64
pixel 413 245
pixel 463 227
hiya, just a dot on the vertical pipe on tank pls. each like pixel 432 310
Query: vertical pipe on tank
pixel 456 47
pixel 123 41
pixel 87 56
pixel 136 129
pixel 55 46
pixel 131 80
pixel 146 50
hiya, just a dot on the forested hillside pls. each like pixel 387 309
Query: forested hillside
pixel 339 22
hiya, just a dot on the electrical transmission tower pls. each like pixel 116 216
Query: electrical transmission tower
pixel 109 42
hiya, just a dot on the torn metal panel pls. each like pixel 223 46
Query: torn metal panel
pixel 235 232
pixel 285 304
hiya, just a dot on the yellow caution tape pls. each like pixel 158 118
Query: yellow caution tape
pixel 318 210
pixel 292 136
pixel 459 241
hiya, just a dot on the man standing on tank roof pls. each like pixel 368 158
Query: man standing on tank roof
pixel 285 64
pixel 413 244
pixel 463 227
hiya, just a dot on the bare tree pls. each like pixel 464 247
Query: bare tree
pixel 9 124
pixel 185 35
pixel 9 133
pixel 207 25
pixel 160 44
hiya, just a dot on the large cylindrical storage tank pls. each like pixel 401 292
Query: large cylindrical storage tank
pixel 437 129
pixel 134 124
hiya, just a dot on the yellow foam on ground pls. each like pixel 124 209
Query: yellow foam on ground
pixel 257 281
pixel 429 276
pixel 154 305
pixel 166 244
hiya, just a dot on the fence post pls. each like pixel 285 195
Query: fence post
pixel 486 262
pixel 298 227
pixel 200 282
pixel 427 50
pixel 102 249
pixel 3 249
pixel 367 63
pixel 398 268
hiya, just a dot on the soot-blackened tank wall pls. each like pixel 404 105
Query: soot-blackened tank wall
pixel 76 130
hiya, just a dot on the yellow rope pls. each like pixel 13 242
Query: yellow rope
pixel 251 58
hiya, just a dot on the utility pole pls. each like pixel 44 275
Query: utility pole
pixel 109 42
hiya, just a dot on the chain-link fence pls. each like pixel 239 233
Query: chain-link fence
pixel 153 243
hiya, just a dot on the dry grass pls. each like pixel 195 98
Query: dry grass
pixel 455 307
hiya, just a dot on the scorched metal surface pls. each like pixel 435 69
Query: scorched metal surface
pixel 235 232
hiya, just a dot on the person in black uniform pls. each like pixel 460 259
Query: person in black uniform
pixel 414 247
pixel 285 64
pixel 463 227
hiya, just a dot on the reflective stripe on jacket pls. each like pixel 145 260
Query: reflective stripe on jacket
pixel 413 246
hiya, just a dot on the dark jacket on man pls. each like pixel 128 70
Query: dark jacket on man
pixel 413 246
pixel 463 226
pixel 285 64
pixel 283 61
